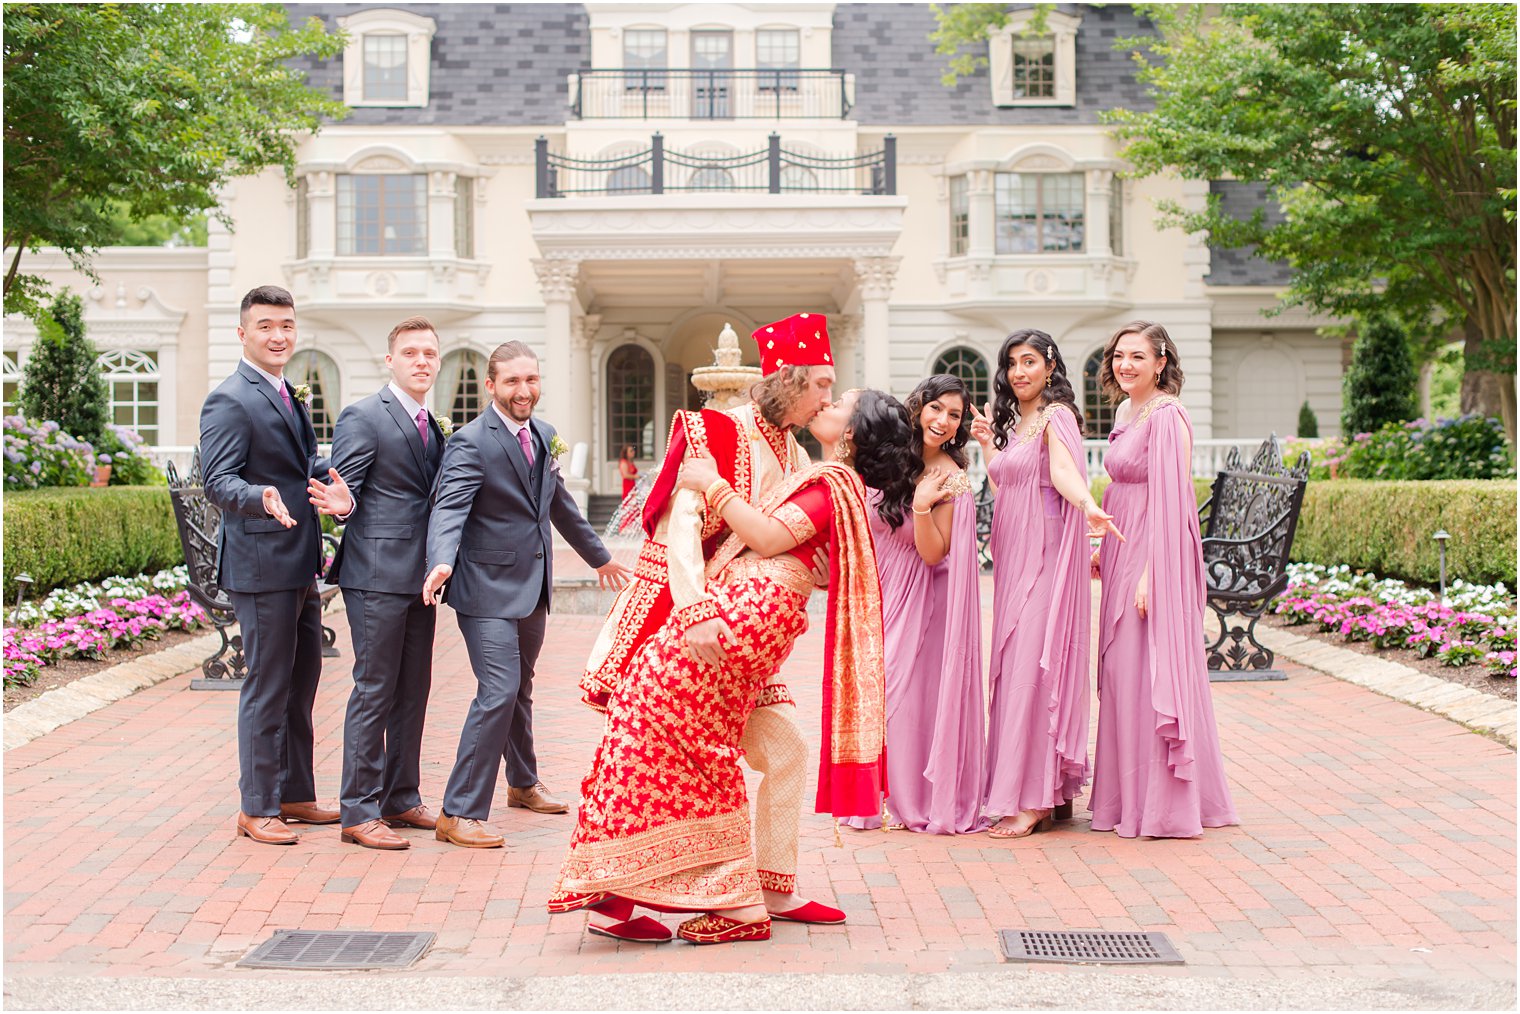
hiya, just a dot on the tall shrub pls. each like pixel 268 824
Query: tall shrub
pixel 1308 422
pixel 1381 384
pixel 61 381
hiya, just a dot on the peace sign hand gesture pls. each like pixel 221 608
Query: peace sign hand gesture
pixel 981 429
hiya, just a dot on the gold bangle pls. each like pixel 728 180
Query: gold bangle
pixel 715 488
pixel 721 501
pixel 917 511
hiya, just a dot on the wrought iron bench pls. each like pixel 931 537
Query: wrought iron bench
pixel 200 523
pixel 1248 524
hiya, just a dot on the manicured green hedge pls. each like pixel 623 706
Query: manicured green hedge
pixel 63 536
pixel 1386 527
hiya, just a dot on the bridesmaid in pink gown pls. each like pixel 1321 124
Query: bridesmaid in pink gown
pixel 1042 590
pixel 931 623
pixel 1158 770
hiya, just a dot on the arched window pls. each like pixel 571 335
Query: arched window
pixel 712 178
pixel 631 179
pixel 1096 408
pixel 317 370
pixel 460 393
pixel 971 368
pixel 630 402
pixel 798 179
pixel 132 378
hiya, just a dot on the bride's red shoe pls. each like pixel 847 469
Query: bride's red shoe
pixel 813 912
pixel 640 930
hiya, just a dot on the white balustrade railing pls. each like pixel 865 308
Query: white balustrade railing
pixel 1208 455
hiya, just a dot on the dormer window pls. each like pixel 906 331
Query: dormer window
pixel 388 59
pixel 1030 68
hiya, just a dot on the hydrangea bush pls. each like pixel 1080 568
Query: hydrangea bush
pixel 1465 447
pixel 88 620
pixel 1474 624
pixel 41 454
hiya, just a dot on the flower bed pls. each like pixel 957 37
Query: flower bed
pixel 1475 623
pixel 88 620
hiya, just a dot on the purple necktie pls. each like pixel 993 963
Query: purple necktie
pixel 422 426
pixel 527 444
pixel 285 394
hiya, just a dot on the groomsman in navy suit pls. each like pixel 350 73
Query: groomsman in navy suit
pixel 499 491
pixel 258 452
pixel 386 452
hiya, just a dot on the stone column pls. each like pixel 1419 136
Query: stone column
pixel 440 205
pixel 577 421
pixel 874 277
pixel 1100 191
pixel 981 207
pixel 844 329
pixel 556 283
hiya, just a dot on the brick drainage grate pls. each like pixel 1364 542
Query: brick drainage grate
pixel 338 949
pixel 1088 947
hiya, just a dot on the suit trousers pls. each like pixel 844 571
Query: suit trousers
pixel 282 643
pixel 382 733
pixel 500 721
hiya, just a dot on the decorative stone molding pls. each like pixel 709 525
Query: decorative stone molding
pixel 556 278
pixel 583 330
pixel 875 276
pixel 417 30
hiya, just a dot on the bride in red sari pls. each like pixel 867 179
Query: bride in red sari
pixel 664 819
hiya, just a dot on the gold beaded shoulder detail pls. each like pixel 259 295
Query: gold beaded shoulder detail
pixel 1160 401
pixel 957 484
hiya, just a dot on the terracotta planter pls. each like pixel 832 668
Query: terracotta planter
pixel 102 476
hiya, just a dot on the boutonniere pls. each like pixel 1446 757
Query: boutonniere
pixel 446 425
pixel 557 446
pixel 303 393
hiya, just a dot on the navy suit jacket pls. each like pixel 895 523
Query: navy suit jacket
pixel 378 451
pixel 249 441
pixel 491 518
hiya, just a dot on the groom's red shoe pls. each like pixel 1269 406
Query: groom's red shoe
pixel 812 912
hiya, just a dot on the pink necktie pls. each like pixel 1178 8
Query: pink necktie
pixel 422 426
pixel 527 444
pixel 285 393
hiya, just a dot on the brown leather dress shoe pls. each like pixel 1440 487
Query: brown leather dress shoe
pixel 374 834
pixel 466 832
pixel 536 799
pixel 264 830
pixel 308 813
pixel 418 816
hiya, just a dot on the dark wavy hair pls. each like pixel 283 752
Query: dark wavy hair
pixel 881 433
pixel 931 389
pixel 1005 405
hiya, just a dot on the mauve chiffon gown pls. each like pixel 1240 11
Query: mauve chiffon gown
pixel 1041 612
pixel 932 630
pixel 1158 771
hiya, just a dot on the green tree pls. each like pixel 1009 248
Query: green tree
pixel 149 106
pixel 1380 385
pixel 61 381
pixel 1385 131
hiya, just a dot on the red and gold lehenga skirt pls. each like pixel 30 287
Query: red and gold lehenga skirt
pixel 664 817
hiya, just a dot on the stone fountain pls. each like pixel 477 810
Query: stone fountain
pixel 728 380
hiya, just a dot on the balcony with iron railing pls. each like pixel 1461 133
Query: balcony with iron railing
pixel 710 94
pixel 774 169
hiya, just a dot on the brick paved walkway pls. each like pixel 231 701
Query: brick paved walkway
pixel 1377 844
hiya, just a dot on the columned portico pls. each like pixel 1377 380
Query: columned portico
pixel 659 276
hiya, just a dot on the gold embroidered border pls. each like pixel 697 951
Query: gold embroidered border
pixel 728 884
pixel 1159 401
pixel 957 485
pixel 775 437
pixel 632 608
pixel 629 860
pixel 797 522
pixel 781 883
pixel 785 570
pixel 695 613
pixel 1037 428
pixel 772 694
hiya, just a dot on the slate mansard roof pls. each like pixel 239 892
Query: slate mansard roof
pixel 1242 266
pixel 507 64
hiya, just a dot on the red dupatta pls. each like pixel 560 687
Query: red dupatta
pixel 852 758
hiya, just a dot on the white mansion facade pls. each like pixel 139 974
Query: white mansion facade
pixel 613 183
